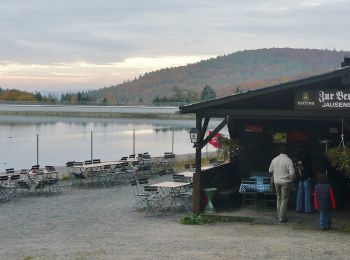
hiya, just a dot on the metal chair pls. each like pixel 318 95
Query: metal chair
pixel 143 181
pixel 140 197
pixel 23 181
pixel 6 191
pixel 154 200
pixel 269 196
pixel 249 192
pixel 179 178
pixel 76 175
pixel 88 162
pixel 51 178
pixel 96 160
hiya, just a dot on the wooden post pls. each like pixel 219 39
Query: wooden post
pixel 196 198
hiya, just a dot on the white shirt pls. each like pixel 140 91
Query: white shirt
pixel 282 169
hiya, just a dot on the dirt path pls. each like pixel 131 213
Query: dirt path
pixel 100 224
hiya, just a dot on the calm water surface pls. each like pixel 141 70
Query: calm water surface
pixel 64 139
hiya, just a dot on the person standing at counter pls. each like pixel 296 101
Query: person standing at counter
pixel 304 176
pixel 282 169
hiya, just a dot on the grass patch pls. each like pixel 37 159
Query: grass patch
pixel 198 219
pixel 65 178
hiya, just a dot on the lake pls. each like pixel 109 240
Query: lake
pixel 62 139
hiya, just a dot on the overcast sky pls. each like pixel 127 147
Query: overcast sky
pixel 84 44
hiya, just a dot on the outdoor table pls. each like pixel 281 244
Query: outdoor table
pixel 209 192
pixel 257 186
pixel 99 166
pixel 175 189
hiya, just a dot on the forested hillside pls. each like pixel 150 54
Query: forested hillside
pixel 226 74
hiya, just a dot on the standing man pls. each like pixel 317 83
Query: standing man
pixel 283 174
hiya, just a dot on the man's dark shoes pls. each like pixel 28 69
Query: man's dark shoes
pixel 323 229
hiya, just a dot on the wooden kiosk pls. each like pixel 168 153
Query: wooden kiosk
pixel 307 115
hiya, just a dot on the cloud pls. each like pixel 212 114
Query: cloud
pixel 113 31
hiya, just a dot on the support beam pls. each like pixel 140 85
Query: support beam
pixel 196 197
pixel 204 129
pixel 212 134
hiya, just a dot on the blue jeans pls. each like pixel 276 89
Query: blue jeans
pixel 304 196
pixel 325 219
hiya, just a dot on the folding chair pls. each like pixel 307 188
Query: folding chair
pixel 142 181
pixel 39 180
pixel 23 181
pixel 168 159
pixel 6 191
pixel 269 196
pixel 179 178
pixel 13 180
pixel 10 171
pixel 124 173
pixel 249 192
pixel 51 178
pixel 154 200
pixel 140 197
pixel 181 196
pixel 76 174
pixel 107 173
pixel 163 175
pixel 96 161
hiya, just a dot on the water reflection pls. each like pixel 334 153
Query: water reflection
pixel 64 139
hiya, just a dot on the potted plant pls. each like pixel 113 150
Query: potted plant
pixel 339 157
pixel 228 147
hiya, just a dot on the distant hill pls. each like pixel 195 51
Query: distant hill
pixel 226 74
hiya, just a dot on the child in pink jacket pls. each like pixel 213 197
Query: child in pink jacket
pixel 324 202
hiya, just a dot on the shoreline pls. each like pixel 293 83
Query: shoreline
pixel 175 116
pixel 94 111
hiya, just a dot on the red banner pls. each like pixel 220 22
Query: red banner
pixel 214 141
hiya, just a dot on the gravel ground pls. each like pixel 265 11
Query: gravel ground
pixel 100 224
